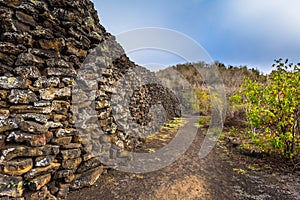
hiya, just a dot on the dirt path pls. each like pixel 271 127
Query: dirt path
pixel 219 176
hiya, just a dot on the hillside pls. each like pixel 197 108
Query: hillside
pixel 189 82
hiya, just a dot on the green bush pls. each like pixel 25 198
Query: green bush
pixel 204 101
pixel 273 109
pixel 236 107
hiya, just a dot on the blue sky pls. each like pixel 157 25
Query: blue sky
pixel 235 32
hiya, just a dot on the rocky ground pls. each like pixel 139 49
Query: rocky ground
pixel 223 174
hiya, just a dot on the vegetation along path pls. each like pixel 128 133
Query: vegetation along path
pixel 223 174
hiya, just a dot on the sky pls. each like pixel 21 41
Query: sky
pixel 234 32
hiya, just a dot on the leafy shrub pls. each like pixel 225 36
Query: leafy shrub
pixel 204 101
pixel 236 107
pixel 274 109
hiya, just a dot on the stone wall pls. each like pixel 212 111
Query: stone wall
pixel 48 48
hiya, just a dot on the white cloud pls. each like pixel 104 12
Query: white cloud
pixel 270 19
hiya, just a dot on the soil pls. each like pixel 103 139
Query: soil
pixel 223 174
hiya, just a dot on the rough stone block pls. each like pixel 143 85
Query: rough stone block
pixel 28 71
pixel 52 93
pixel 7 59
pixel 20 27
pixel 51 124
pixel 39 182
pixel 45 53
pixel 11 186
pixel 56 71
pixel 75 51
pixel 59 63
pixel 43 161
pixel 28 59
pixel 88 178
pixel 4 114
pixel 64 15
pixel 71 164
pixel 3 94
pixel 89 164
pixel 33 127
pixel 18 38
pixel 105 124
pixel 24 109
pixel 102 104
pixel 38 140
pixel 104 114
pixel 42 103
pixel 44 82
pixel 2 141
pixel 3 104
pixel 56 44
pixel 27 19
pixel 36 117
pixel 60 118
pixel 63 173
pixel 11 152
pixel 107 89
pixel 70 154
pixel 10 48
pixel 82 139
pixel 61 107
pixel 8 124
pixel 89 156
pixel 71 146
pixel 49 136
pixel 42 32
pixel 65 132
pixel 22 97
pixel 61 141
pixel 12 82
pixel 5 70
pixel 41 170
pixel 95 37
pixel 17 167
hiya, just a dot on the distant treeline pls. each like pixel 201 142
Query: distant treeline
pixel 232 76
